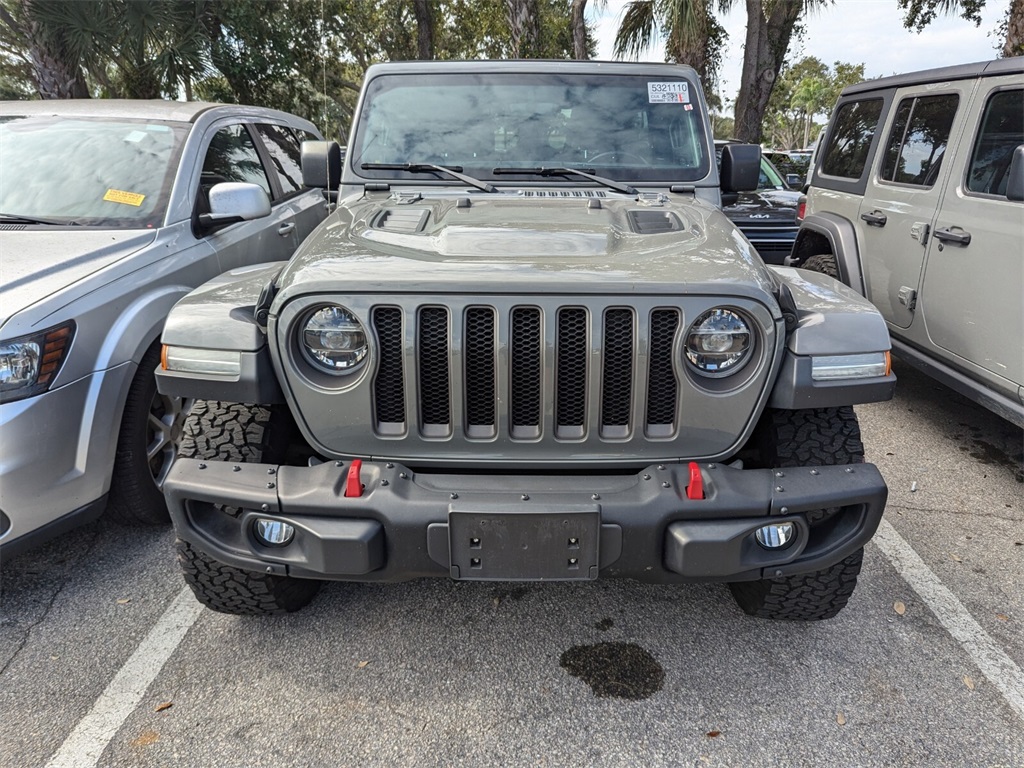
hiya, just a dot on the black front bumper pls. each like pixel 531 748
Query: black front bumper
pixel 396 524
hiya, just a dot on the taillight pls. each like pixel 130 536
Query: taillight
pixel 801 208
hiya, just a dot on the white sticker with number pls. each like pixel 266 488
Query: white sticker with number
pixel 676 91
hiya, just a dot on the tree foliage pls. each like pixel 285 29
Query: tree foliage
pixel 918 14
pixel 302 56
pixel 690 29
pixel 805 90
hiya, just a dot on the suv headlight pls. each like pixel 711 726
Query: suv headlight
pixel 334 340
pixel 718 342
pixel 29 364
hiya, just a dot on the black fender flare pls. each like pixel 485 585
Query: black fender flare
pixel 828 232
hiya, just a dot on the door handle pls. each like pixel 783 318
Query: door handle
pixel 285 229
pixel 875 218
pixel 949 236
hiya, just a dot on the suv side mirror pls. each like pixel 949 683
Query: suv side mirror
pixel 1015 175
pixel 321 164
pixel 234 201
pixel 741 167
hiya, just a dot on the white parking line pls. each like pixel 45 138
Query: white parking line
pixel 993 662
pixel 91 736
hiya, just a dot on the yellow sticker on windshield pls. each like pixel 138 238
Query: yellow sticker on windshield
pixel 127 198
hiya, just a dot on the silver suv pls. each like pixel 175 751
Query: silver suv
pixel 111 211
pixel 917 202
pixel 528 345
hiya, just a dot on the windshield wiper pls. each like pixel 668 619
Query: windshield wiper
pixel 13 218
pixel 586 173
pixel 455 171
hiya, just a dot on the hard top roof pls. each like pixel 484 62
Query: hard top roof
pixel 941 74
pixel 549 66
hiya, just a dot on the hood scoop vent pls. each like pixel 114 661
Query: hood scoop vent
pixel 654 222
pixel 406 220
pixel 564 193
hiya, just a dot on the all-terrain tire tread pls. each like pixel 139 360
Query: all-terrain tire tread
pixel 242 593
pixel 803 597
pixel 825 263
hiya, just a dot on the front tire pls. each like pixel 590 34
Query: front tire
pixel 809 437
pixel 147 443
pixel 239 433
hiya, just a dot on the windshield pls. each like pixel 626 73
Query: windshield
pixel 87 171
pixel 624 127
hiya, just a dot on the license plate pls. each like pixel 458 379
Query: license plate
pixel 524 546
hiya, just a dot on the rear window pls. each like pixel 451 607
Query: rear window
pixel 1002 131
pixel 850 138
pixel 917 141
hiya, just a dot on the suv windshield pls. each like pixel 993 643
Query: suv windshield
pixel 99 172
pixel 624 127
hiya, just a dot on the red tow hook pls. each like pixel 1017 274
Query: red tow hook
pixel 695 490
pixel 353 484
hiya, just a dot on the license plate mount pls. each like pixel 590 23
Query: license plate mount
pixel 555 545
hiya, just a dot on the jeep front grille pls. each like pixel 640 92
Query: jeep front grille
pixel 524 371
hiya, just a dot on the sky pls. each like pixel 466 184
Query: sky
pixel 854 31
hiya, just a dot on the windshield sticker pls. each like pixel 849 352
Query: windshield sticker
pixel 127 198
pixel 136 136
pixel 677 92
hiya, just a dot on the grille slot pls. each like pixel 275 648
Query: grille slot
pixel 389 384
pixel 480 370
pixel 662 387
pixel 571 375
pixel 526 347
pixel 617 376
pixel 434 377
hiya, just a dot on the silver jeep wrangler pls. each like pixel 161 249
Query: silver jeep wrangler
pixel 527 345
pixel 917 202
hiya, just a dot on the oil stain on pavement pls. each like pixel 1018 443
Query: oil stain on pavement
pixel 615 670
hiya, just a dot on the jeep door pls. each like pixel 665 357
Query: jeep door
pixel 897 214
pixel 973 290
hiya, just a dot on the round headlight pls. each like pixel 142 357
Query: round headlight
pixel 334 340
pixel 718 343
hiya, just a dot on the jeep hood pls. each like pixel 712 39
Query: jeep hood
pixel 526 243
pixel 35 264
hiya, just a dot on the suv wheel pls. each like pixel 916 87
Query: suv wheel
pixel 824 263
pixel 810 437
pixel 239 433
pixel 151 429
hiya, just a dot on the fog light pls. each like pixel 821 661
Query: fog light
pixel 776 535
pixel 273 533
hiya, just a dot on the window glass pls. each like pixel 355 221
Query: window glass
pixel 918 139
pixel 89 171
pixel 850 138
pixel 627 127
pixel 1002 131
pixel 285 154
pixel 232 157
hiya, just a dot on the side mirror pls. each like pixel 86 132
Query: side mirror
pixel 794 180
pixel 741 167
pixel 321 164
pixel 1015 175
pixel 233 201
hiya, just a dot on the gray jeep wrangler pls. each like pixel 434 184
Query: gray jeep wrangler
pixel 527 345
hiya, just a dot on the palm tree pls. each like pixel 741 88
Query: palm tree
pixel 687 25
pixel 810 95
pixel 127 49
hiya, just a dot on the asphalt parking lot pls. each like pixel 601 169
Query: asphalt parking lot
pixel 105 658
